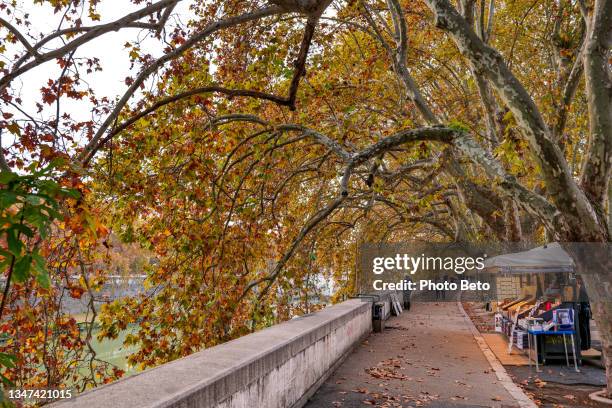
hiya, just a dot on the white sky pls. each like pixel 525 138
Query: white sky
pixel 109 49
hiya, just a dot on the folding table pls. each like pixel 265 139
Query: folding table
pixel 532 340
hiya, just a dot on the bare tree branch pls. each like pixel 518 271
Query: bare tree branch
pixel 399 55
pixel 300 69
pixel 189 43
pixel 569 90
pixel 231 93
pixel 312 222
pixel 19 69
pixel 31 51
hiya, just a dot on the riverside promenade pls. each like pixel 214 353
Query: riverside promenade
pixel 427 356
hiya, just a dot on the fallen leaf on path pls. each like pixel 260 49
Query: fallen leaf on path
pixel 539 383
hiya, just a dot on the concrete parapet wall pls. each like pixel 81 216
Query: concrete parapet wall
pixel 276 367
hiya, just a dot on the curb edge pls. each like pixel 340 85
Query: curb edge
pixel 502 375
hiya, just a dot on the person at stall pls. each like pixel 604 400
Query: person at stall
pixel 584 316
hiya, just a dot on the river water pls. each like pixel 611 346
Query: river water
pixel 112 351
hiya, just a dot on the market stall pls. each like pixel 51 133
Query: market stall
pixel 542 306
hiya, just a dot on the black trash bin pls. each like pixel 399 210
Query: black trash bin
pixel 378 322
pixel 406 294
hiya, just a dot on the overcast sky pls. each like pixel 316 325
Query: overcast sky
pixel 109 49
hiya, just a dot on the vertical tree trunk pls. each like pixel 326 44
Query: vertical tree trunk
pixel 602 313
pixel 512 221
pixel 594 266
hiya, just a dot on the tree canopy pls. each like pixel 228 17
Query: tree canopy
pixel 258 144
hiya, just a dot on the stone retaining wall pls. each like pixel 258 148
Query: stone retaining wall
pixel 280 366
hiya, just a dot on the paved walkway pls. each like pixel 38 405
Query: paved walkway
pixel 425 357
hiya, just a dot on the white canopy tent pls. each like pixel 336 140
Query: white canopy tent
pixel 547 258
